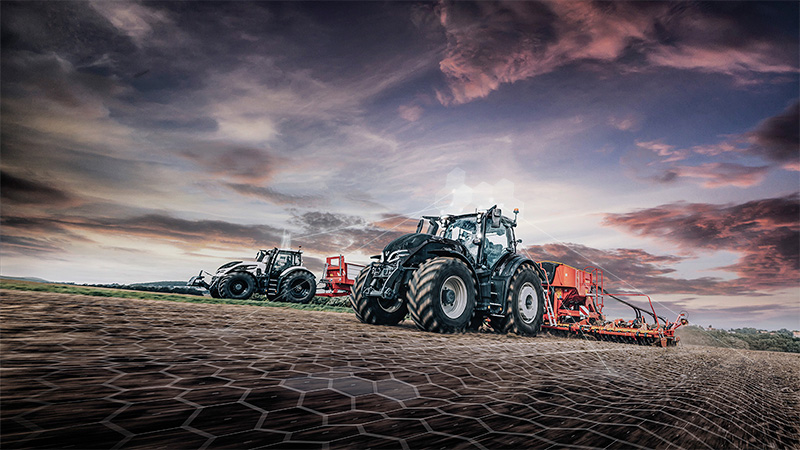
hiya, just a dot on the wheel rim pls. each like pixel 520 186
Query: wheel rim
pixel 528 302
pixel 390 305
pixel 238 287
pixel 298 289
pixel 453 297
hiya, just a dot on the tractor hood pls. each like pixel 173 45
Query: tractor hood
pixel 406 242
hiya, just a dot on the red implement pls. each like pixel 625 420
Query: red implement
pixel 574 305
pixel 336 278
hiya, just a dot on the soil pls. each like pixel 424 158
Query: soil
pixel 89 372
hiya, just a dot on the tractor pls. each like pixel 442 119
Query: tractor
pixel 277 273
pixel 461 271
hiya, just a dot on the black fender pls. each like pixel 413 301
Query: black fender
pixel 502 277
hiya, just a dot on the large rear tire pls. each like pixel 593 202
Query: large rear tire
pixel 238 286
pixel 524 303
pixel 298 287
pixel 374 310
pixel 441 296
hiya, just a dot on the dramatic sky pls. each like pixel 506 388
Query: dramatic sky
pixel 145 141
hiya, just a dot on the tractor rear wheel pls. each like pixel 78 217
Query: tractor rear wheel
pixel 441 295
pixel 239 286
pixel 298 287
pixel 524 303
pixel 375 310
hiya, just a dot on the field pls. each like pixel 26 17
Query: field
pixel 84 371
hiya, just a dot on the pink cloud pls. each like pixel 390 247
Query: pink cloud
pixel 766 233
pixel 774 140
pixel 519 40
pixel 411 113
pixel 667 152
pixel 793 166
pixel 635 269
pixel 491 44
pixel 724 174
pixel 738 62
pixel 627 123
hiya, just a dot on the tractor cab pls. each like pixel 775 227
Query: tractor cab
pixel 487 235
pixel 275 261
pixel 284 259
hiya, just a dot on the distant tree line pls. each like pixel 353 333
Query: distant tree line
pixel 150 288
pixel 743 338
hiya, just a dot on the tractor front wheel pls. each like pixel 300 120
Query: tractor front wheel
pixel 214 290
pixel 441 296
pixel 239 286
pixel 298 287
pixel 524 303
pixel 375 310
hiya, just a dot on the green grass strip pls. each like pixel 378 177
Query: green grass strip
pixel 142 295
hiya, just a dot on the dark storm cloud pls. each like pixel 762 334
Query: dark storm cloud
pixel 319 232
pixel 21 245
pixel 766 233
pixel 182 232
pixel 493 43
pixel 331 233
pixel 273 196
pixel 67 28
pixel 778 138
pixel 20 190
pixel 25 235
pixel 317 221
pixel 54 78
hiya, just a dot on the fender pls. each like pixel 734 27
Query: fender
pixel 293 269
pixel 502 276
pixel 245 267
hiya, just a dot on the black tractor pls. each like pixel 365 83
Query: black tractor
pixel 278 274
pixel 459 273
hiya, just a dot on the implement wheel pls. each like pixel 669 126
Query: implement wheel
pixel 375 310
pixel 441 296
pixel 239 286
pixel 524 303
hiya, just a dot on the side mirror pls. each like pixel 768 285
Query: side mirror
pixel 496 213
pixel 419 225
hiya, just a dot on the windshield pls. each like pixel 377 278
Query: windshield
pixel 461 230
pixel 464 230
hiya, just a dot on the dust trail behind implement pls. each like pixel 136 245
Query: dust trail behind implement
pixel 82 371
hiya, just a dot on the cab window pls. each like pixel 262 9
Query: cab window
pixel 496 242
